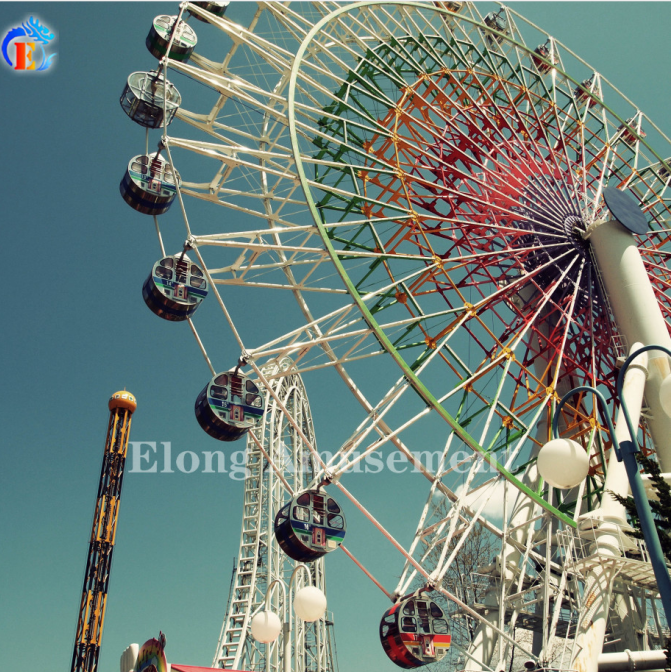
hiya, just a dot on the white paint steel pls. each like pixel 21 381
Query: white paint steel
pixel 638 318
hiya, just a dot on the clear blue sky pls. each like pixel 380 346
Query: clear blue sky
pixel 77 329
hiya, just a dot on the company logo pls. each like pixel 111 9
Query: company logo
pixel 23 48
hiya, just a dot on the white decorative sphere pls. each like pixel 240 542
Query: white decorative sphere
pixel 309 603
pixel 563 463
pixel 266 627
pixel 665 395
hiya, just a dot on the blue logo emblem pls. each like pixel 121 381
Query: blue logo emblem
pixel 26 39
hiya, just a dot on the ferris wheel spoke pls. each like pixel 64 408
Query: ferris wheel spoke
pixel 202 347
pixel 411 421
pixel 523 217
pixel 347 332
pixel 540 156
pixel 366 88
pixel 224 132
pixel 433 538
pixel 477 202
pixel 159 236
pixel 659 276
pixel 419 568
pixel 293 21
pixel 472 310
pixel 256 270
pixel 289 416
pixel 370 92
pixel 375 417
pixel 382 429
pixel 270 52
pixel 278 471
pixel 422 530
pixel 231 155
pixel 510 180
pixel 316 327
pixel 203 192
pixel 445 561
pixel 236 88
pixel 568 321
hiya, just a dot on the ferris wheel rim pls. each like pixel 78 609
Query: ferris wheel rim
pixel 408 373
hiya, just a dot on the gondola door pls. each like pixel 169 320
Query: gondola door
pixel 427 646
pixel 319 536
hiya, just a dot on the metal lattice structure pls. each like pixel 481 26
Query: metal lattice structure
pixel 426 183
pixel 91 619
pixel 260 559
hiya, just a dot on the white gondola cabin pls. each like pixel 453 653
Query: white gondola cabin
pixel 183 43
pixel 496 21
pixel 229 406
pixel 175 288
pixel 310 526
pixel 143 99
pixel 149 185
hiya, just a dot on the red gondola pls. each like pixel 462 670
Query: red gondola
pixel 454 7
pixel 626 134
pixel 414 632
pixel 545 52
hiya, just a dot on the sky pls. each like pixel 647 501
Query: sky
pixel 78 331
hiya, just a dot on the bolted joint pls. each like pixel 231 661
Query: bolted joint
pixel 327 478
pixel 627 448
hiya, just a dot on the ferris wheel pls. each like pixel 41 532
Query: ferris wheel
pixel 429 186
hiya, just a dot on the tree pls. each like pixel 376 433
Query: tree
pixel 479 550
pixel 661 511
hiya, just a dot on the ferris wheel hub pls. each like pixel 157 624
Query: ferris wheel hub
pixel 574 228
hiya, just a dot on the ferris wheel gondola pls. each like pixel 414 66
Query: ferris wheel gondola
pixel 229 406
pixel 414 632
pixel 149 185
pixel 169 30
pixel 309 526
pixel 175 288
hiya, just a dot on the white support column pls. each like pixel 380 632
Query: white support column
pixel 638 317
pixel 606 525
